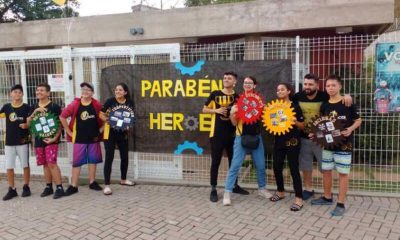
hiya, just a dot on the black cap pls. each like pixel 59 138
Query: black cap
pixel 86 84
pixel 17 87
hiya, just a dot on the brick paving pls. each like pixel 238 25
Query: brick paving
pixel 177 212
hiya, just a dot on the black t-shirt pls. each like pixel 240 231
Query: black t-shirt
pixel 111 103
pixel 87 128
pixel 345 114
pixel 14 117
pixel 292 138
pixel 310 108
pixel 221 126
pixel 52 108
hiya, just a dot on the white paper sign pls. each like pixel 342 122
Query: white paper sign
pixel 56 82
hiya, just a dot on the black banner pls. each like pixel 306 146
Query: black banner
pixel 169 98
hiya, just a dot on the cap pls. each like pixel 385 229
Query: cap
pixel 86 84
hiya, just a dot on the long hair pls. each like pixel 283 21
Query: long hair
pixel 289 87
pixel 126 89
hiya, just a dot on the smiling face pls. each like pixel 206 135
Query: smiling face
pixel 86 92
pixel 42 93
pixel 229 81
pixel 16 95
pixel 248 85
pixel 310 86
pixel 119 92
pixel 282 92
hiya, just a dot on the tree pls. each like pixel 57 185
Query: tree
pixel 192 3
pixel 27 10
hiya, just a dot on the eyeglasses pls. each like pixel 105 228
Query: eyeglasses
pixel 86 90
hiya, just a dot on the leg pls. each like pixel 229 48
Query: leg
pixel 51 152
pixel 216 155
pixel 278 162
pixel 109 146
pixel 27 175
pixel 228 145
pixel 94 157
pixel 343 164
pixel 306 162
pixel 327 166
pixel 79 158
pixel 92 172
pixel 123 152
pixel 259 162
pixel 76 171
pixel 293 160
pixel 10 155
pixel 327 180
pixel 47 174
pixel 238 157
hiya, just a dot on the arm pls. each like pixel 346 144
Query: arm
pixel 354 126
pixel 299 125
pixel 221 110
pixel 232 116
pixel 55 138
pixel 347 100
pixel 65 126
pixel 103 116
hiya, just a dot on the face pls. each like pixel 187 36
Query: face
pixel 16 95
pixel 86 92
pixel 282 92
pixel 248 85
pixel 229 81
pixel 119 92
pixel 310 86
pixel 42 93
pixel 333 87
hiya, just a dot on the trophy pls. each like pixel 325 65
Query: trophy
pixel 225 101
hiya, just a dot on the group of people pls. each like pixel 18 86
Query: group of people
pixel 88 126
pixel 296 145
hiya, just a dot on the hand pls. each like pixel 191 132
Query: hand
pixel 347 100
pixel 23 126
pixel 49 140
pixel 69 132
pixel 347 132
pixel 234 110
pixel 311 135
pixel 40 109
pixel 221 110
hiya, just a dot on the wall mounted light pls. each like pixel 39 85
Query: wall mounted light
pixel 136 30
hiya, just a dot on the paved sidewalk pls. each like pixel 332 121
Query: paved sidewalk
pixel 174 212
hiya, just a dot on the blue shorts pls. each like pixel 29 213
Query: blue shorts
pixel 86 153
pixel 336 159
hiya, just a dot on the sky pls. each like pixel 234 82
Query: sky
pixel 101 7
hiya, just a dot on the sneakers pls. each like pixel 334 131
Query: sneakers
pixel 338 211
pixel 214 196
pixel 107 190
pixel 26 191
pixel 237 189
pixel 307 194
pixel 10 194
pixel 47 191
pixel 59 193
pixel 227 199
pixel 70 190
pixel 321 201
pixel 264 193
pixel 95 186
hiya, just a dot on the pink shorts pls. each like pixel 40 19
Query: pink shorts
pixel 46 155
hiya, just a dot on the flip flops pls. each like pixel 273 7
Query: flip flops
pixel 276 198
pixel 296 207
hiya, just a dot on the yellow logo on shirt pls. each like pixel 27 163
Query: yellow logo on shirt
pixel 13 117
pixel 85 116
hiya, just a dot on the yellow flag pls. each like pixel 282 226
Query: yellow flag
pixel 59 2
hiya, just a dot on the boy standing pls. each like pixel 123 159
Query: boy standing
pixel 17 140
pixel 47 149
pixel 84 132
pixel 338 157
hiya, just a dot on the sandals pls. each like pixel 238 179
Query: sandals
pixel 127 183
pixel 296 207
pixel 276 198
